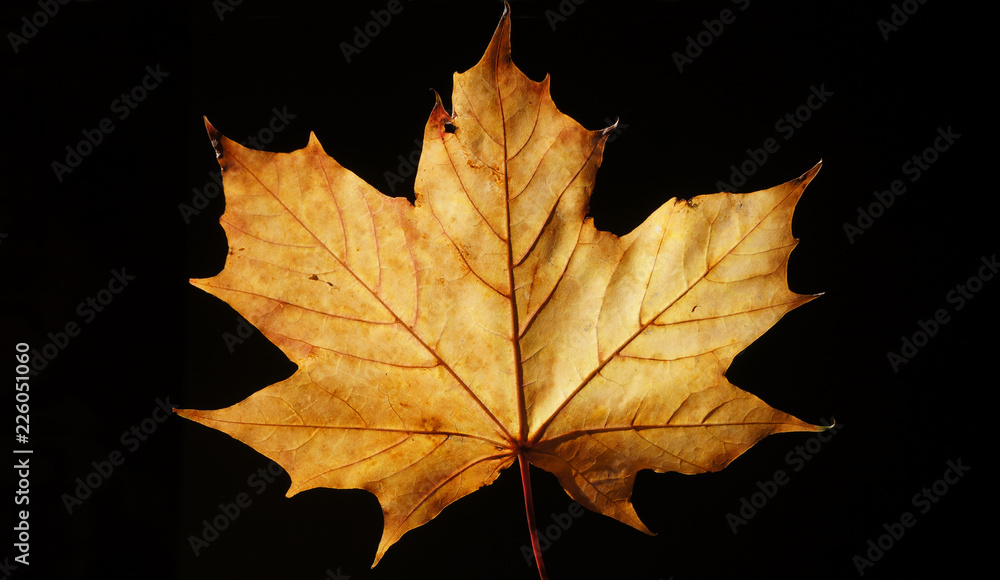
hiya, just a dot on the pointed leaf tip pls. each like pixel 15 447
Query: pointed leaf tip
pixel 314 143
pixel 213 135
pixel 498 49
pixel 808 176
pixel 440 116
pixel 191 415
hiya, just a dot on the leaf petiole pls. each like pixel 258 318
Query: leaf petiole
pixel 530 509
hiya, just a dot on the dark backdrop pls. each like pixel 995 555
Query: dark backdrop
pixel 117 488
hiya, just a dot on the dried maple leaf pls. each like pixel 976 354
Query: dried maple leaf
pixel 490 322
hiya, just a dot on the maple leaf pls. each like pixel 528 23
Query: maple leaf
pixel 490 321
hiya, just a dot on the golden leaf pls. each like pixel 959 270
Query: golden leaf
pixel 490 321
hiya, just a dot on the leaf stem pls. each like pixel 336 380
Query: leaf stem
pixel 530 509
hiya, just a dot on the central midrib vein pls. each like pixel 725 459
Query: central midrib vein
pixel 522 414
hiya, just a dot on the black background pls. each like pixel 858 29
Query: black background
pixel 680 132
